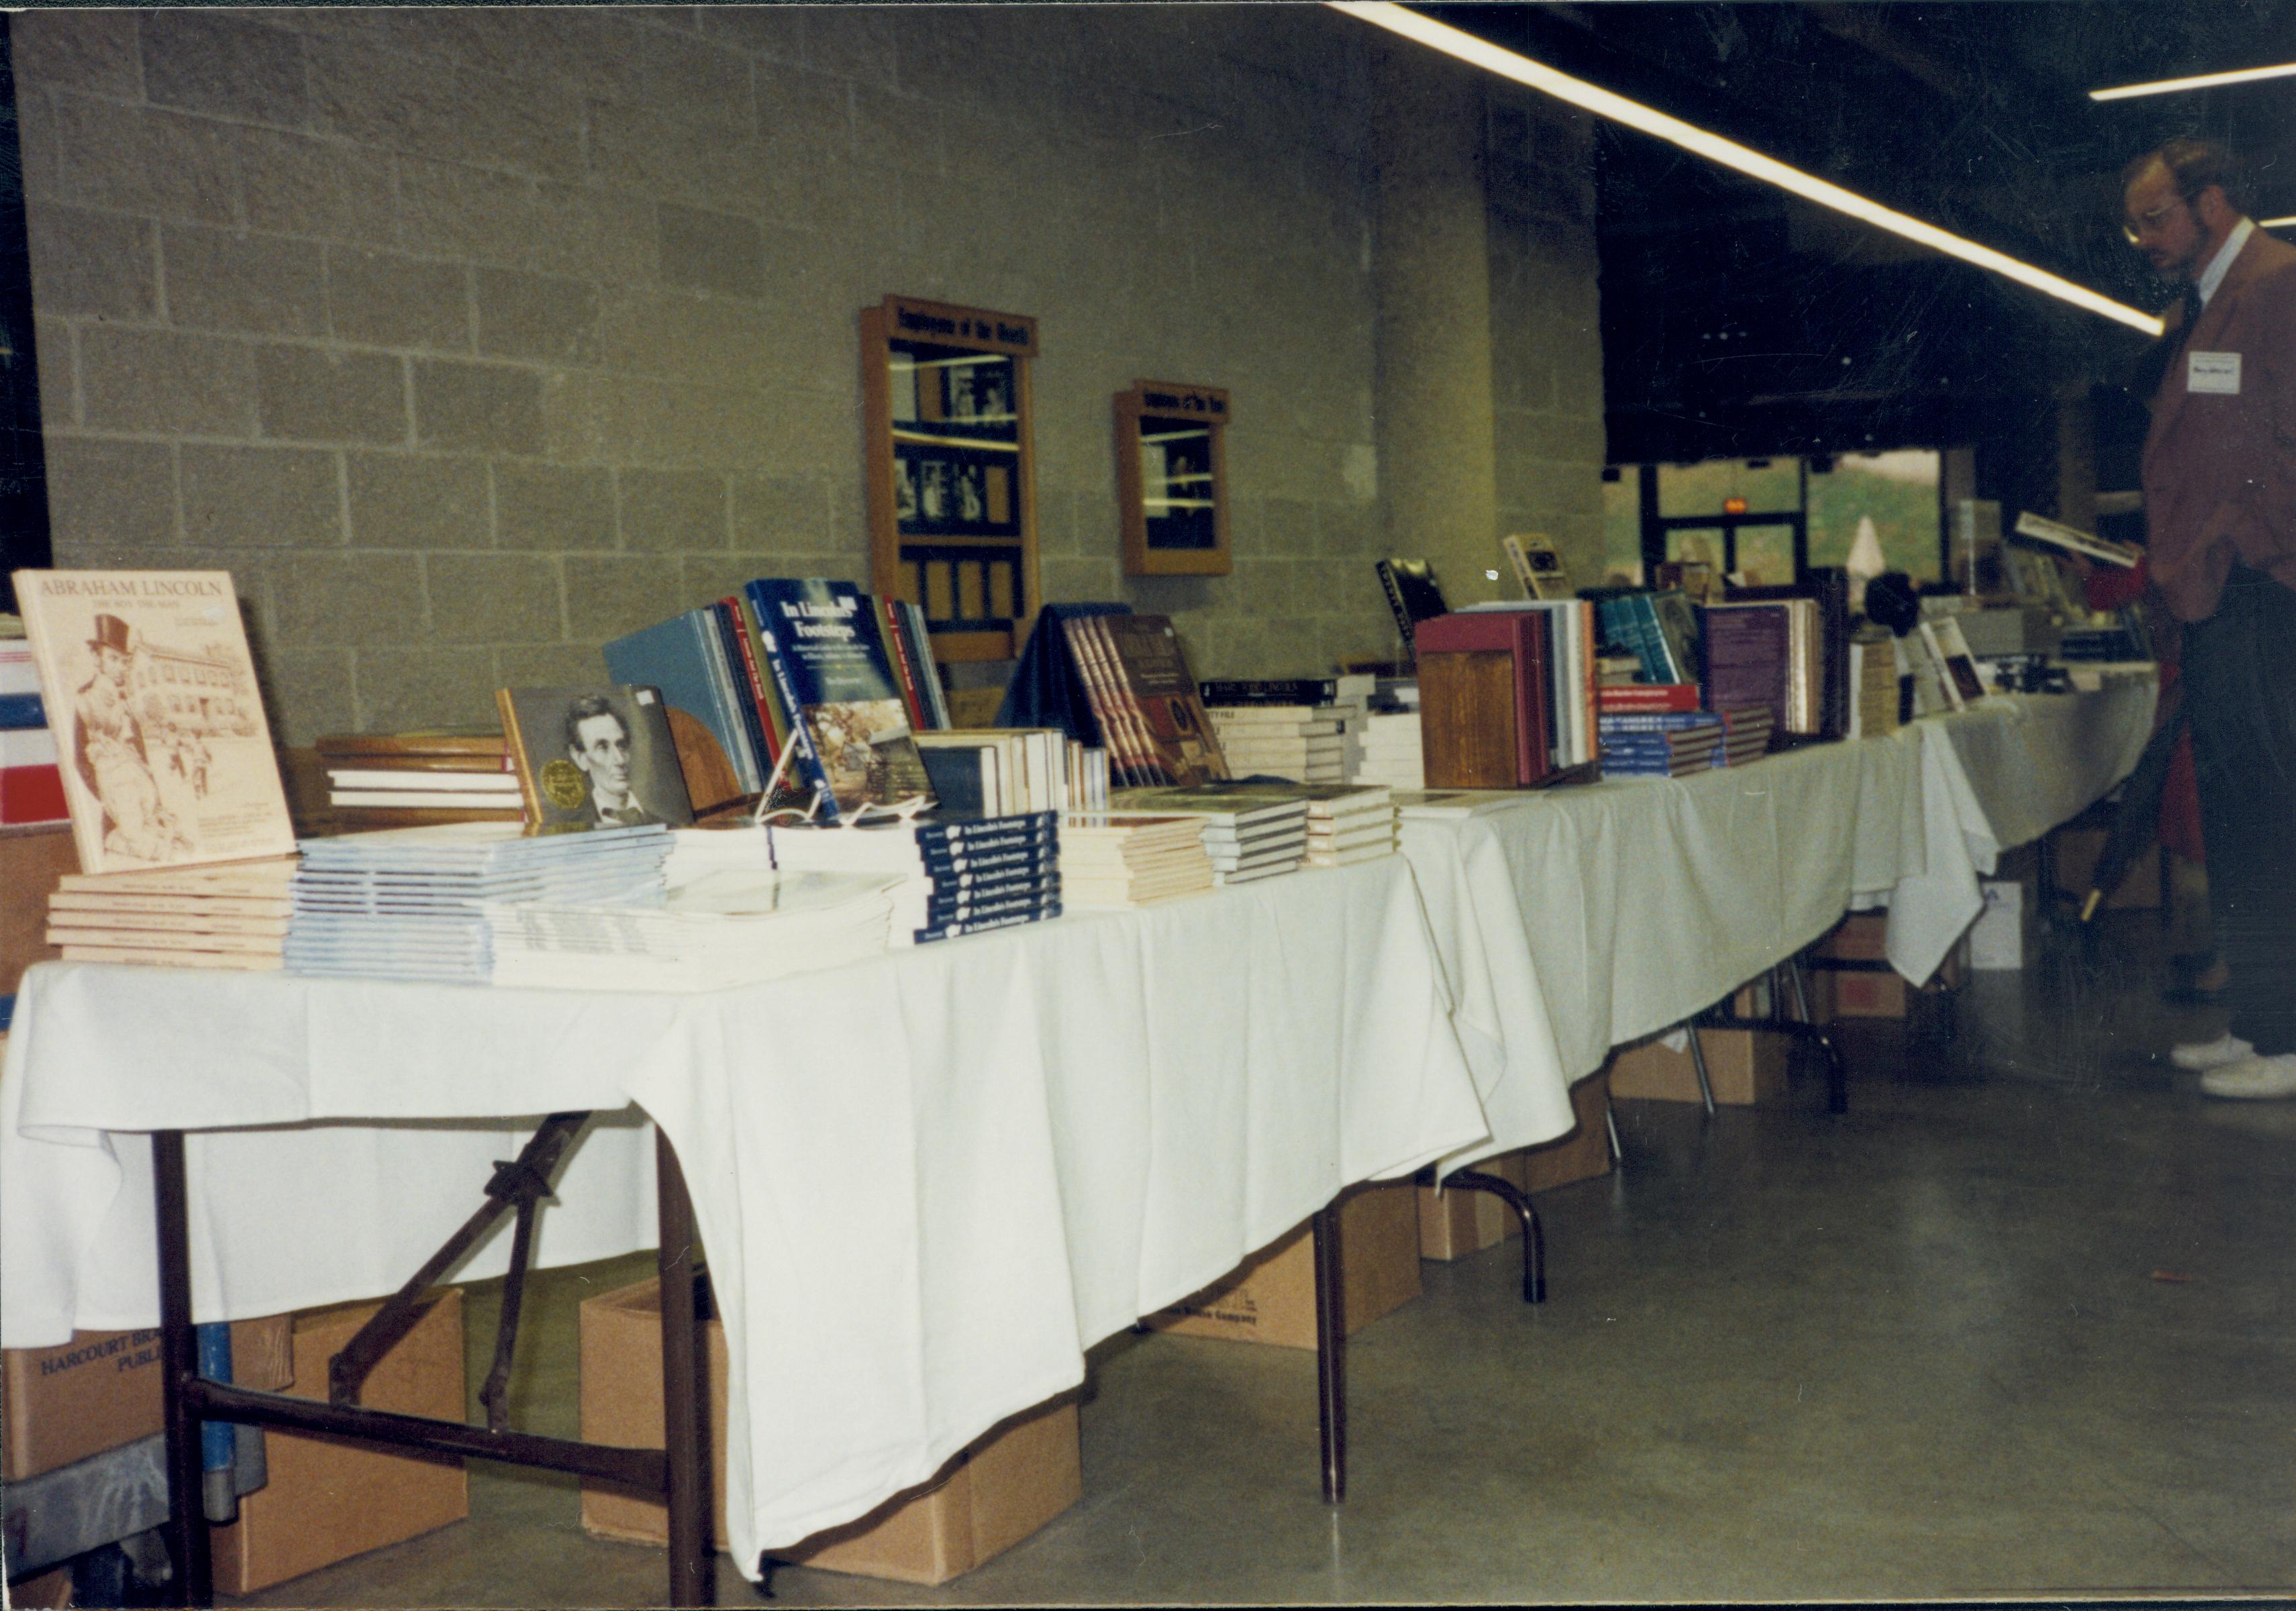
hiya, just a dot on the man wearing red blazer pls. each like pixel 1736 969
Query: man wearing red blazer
pixel 2219 475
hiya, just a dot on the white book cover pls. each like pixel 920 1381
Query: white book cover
pixel 150 688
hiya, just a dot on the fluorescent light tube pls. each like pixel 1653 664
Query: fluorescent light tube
pixel 2171 86
pixel 1521 70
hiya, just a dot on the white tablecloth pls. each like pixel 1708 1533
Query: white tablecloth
pixel 1575 920
pixel 926 1183
pixel 1998 775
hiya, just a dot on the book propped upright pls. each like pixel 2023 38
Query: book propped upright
pixel 842 696
pixel 593 757
pixel 148 684
pixel 1141 700
pixel 1412 593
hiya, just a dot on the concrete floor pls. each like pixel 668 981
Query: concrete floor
pixel 1931 1349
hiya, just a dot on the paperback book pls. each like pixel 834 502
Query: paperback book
pixel 165 755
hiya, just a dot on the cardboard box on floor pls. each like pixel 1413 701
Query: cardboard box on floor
pixel 1744 1067
pixel 329 1499
pixel 1453 1225
pixel 1271 1296
pixel 1006 1484
pixel 102 1389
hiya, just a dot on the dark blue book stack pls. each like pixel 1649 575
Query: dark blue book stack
pixel 962 875
pixel 1661 745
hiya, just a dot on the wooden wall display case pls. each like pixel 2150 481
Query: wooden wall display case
pixel 952 470
pixel 1171 479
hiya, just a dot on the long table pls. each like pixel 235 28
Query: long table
pixel 929 1182
pixel 1573 920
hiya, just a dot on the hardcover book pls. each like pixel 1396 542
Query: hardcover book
pixel 166 757
pixel 1412 593
pixel 684 657
pixel 1152 671
pixel 593 757
pixel 841 694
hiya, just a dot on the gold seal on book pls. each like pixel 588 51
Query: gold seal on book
pixel 561 784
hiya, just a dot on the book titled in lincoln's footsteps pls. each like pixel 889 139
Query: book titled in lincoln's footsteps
pixel 148 683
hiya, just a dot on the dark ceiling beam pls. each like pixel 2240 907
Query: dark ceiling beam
pixel 1872 33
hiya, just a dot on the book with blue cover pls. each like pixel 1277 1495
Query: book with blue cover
pixel 844 699
pixel 683 658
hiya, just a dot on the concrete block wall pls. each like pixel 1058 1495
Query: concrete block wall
pixel 1547 335
pixel 468 339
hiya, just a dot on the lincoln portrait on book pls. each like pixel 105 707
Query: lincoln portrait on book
pixel 598 741
pixel 110 755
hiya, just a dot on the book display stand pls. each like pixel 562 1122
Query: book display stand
pixel 951 470
pixel 1171 479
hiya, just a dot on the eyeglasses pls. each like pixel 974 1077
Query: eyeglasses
pixel 2147 224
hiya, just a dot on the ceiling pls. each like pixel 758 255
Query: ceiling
pixel 1737 319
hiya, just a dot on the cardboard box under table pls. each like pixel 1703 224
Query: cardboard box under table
pixel 1003 1486
pixel 1850 977
pixel 102 1389
pixel 1271 1296
pixel 330 1498
pixel 1454 1223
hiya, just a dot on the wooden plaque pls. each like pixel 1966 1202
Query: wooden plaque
pixel 951 470
pixel 1171 479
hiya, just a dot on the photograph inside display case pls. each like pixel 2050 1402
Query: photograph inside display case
pixel 1170 478
pixel 952 527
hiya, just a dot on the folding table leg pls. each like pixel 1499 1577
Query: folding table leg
pixel 193 1581
pixel 1331 1346
pixel 684 1393
pixel 1697 1066
pixel 1533 1235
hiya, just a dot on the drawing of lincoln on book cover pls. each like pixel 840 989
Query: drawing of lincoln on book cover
pixel 168 757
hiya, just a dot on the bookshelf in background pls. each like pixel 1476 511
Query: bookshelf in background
pixel 1171 479
pixel 951 470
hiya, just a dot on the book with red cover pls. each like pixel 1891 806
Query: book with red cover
pixel 1620 699
pixel 31 783
pixel 1521 633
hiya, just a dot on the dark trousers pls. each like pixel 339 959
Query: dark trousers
pixel 2240 684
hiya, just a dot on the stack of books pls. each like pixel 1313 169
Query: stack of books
pixel 957 876
pixel 726 928
pixel 1349 824
pixel 1299 742
pixel 1745 734
pixel 31 783
pixel 1249 832
pixel 996 771
pixel 418 780
pixel 409 903
pixel 1661 746
pixel 1345 699
pixel 233 915
pixel 1393 754
pixel 1125 859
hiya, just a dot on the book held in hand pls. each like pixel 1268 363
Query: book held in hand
pixel 148 684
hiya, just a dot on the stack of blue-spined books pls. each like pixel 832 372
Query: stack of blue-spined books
pixel 409 903
pixel 959 875
pixel 1661 744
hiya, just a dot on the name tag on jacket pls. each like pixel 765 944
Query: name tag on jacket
pixel 2213 371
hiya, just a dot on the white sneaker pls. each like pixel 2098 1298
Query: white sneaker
pixel 2222 1053
pixel 2254 1079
